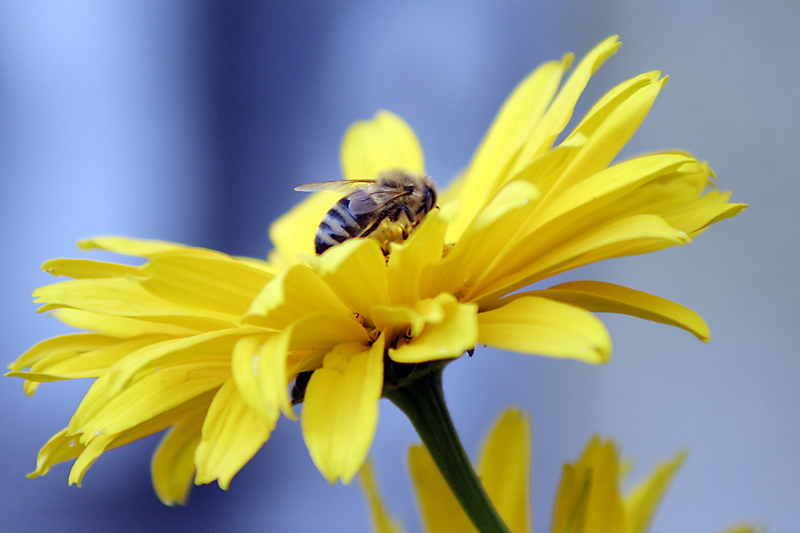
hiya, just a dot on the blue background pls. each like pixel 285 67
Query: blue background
pixel 193 121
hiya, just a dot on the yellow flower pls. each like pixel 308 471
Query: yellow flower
pixel 523 211
pixel 589 498
pixel 207 344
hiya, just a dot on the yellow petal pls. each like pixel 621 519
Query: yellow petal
pixel 513 125
pixel 115 296
pixel 545 327
pixel 299 348
pixel 94 449
pixel 588 497
pixel 356 272
pixel 172 468
pixel 407 260
pixel 93 363
pixel 269 369
pixel 383 143
pixel 244 367
pixel 605 187
pixel 539 256
pixel 600 297
pixel 155 393
pixel 86 269
pixel 97 443
pixel 219 284
pixel 643 500
pixel 441 512
pixel 560 111
pixel 454 331
pixel 75 342
pixel 297 292
pixel 61 447
pixel 127 246
pixel 605 512
pixel 340 411
pixel 122 327
pixel 611 135
pixel 382 521
pixel 213 347
pixel 483 241
pixel 572 499
pixel 232 434
pixel 505 469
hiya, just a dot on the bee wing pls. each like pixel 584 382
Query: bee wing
pixel 362 202
pixel 336 185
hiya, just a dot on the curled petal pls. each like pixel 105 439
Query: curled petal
pixel 600 297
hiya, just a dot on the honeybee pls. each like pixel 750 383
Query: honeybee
pixel 386 208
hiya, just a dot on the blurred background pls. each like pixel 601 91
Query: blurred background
pixel 193 121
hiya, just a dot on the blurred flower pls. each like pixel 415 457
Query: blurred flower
pixel 207 344
pixel 589 497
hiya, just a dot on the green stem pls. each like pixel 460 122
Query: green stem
pixel 422 401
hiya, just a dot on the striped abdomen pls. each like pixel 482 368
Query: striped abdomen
pixel 340 224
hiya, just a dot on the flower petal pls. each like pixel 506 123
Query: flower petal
pixel 232 434
pixel 545 327
pixel 212 347
pixel 89 364
pixel 643 500
pixel 172 468
pixel 118 297
pixel 218 284
pixel 86 269
pixel 577 202
pixel 505 469
pixel 560 111
pixel 356 272
pixel 611 134
pixel 382 521
pixel 61 447
pixel 482 242
pixel 538 258
pixel 125 328
pixel 600 297
pixel 383 143
pixel 517 118
pixel 450 329
pixel 244 361
pixel 292 295
pixel 588 496
pixel 341 409
pixel 75 342
pixel 407 260
pixel 155 393
pixel 135 247
pixel 98 443
pixel 441 512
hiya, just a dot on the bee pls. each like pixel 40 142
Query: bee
pixel 386 208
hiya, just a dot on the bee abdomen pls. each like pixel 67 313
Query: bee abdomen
pixel 338 225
